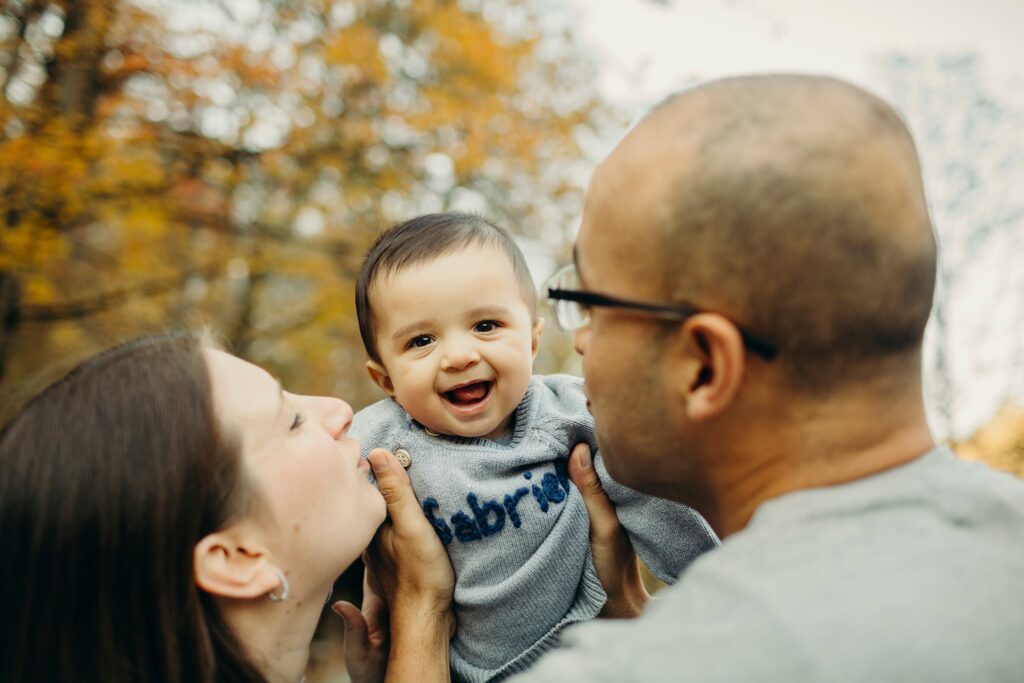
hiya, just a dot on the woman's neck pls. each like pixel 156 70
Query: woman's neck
pixel 276 635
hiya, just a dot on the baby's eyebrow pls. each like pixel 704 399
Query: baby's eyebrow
pixel 484 311
pixel 403 332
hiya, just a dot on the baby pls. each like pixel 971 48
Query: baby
pixel 448 314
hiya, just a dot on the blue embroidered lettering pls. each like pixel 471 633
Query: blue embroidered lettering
pixel 542 500
pixel 510 505
pixel 440 526
pixel 552 489
pixel 562 472
pixel 482 512
pixel 465 527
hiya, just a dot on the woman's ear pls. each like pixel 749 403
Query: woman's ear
pixel 535 340
pixel 380 377
pixel 712 367
pixel 227 569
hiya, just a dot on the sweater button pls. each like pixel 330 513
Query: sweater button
pixel 403 457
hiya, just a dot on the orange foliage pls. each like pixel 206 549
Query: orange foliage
pixel 231 171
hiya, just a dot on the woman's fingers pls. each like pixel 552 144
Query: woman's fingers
pixel 393 483
pixel 614 558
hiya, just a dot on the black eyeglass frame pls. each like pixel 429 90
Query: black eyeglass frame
pixel 756 343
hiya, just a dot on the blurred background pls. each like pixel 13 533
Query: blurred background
pixel 225 163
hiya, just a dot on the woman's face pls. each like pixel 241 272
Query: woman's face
pixel 317 510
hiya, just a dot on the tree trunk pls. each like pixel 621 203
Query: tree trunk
pixel 9 295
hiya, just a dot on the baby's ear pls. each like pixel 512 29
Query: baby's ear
pixel 535 341
pixel 380 377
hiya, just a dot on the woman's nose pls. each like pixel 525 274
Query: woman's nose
pixel 337 417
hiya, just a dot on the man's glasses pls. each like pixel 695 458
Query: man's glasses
pixel 572 309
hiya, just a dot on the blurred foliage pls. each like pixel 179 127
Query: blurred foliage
pixel 227 164
pixel 1000 443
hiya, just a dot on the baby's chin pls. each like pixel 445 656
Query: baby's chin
pixel 488 429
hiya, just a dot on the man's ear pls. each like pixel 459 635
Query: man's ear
pixel 227 569
pixel 535 340
pixel 712 365
pixel 380 377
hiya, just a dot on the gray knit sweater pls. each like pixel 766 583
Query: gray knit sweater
pixel 517 530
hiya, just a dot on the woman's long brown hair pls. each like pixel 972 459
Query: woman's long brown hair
pixel 108 479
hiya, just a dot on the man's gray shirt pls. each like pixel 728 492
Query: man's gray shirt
pixel 914 574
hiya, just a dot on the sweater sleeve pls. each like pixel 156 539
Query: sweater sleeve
pixel 668 536
pixel 376 425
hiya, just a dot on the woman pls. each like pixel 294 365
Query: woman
pixel 168 513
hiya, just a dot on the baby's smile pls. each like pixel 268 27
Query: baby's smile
pixel 469 397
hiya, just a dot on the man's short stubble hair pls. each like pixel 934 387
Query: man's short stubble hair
pixel 802 209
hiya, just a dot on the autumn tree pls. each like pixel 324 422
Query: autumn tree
pixel 228 164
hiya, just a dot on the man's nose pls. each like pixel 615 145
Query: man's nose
pixel 459 355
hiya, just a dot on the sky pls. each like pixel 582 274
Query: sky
pixel 644 50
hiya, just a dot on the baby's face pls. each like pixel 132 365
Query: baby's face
pixel 456 341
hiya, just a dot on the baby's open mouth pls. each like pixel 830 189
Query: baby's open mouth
pixel 469 394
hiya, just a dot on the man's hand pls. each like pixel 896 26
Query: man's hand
pixel 614 558
pixel 366 635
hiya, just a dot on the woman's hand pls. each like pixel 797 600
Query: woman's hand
pixel 415 578
pixel 614 558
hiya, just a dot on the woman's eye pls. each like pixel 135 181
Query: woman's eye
pixel 420 341
pixel 297 421
pixel 486 326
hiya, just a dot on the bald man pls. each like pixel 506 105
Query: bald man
pixel 787 209
pixel 754 271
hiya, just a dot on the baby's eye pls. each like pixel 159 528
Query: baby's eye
pixel 486 326
pixel 420 341
pixel 297 421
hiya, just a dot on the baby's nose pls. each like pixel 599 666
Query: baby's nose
pixel 459 356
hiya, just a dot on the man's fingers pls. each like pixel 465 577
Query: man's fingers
pixel 603 520
pixel 356 640
pixel 394 485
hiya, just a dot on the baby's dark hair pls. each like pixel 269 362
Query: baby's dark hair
pixel 425 238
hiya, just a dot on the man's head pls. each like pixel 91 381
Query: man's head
pixel 448 314
pixel 792 205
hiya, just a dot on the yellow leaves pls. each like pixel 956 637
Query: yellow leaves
pixel 122 167
pixel 358 46
pixel 30 244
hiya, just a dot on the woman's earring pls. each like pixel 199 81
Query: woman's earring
pixel 284 587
